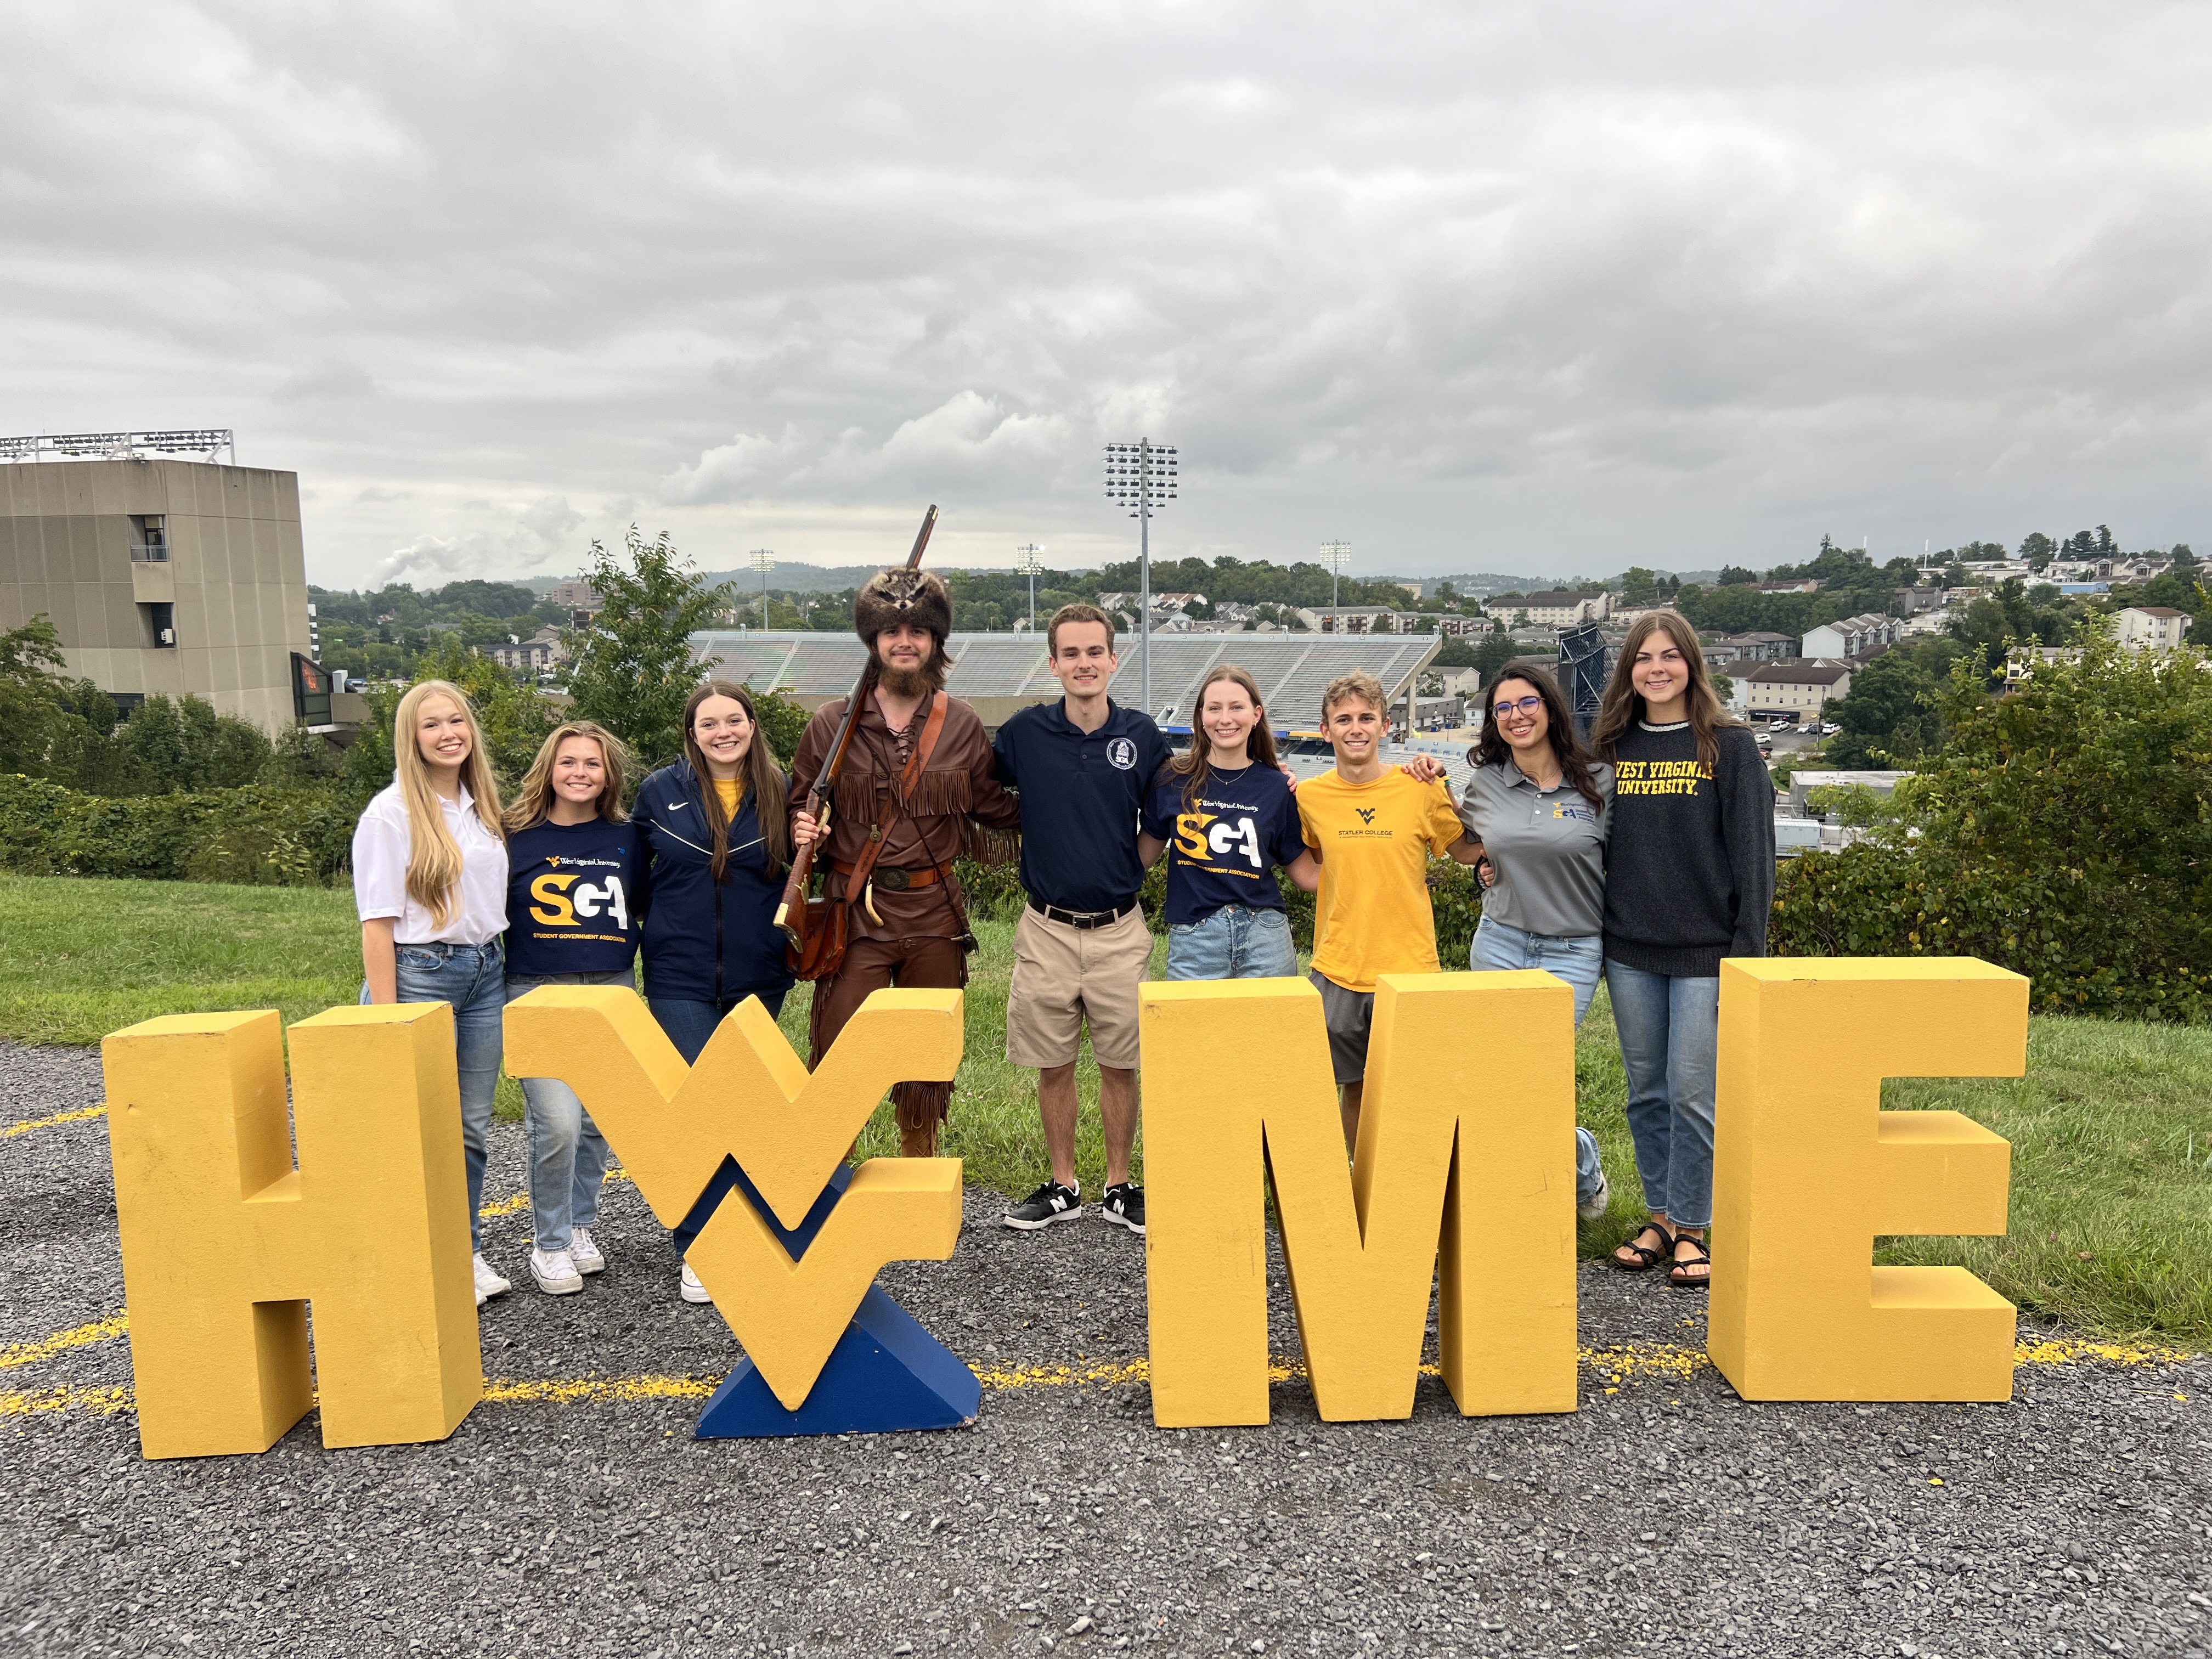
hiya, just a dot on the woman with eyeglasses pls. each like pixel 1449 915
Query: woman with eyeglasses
pixel 1537 803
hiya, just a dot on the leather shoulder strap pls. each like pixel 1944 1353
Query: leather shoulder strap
pixel 865 865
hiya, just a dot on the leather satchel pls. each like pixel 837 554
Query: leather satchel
pixel 822 951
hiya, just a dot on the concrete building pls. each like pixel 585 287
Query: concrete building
pixel 1564 610
pixel 163 575
pixel 1358 619
pixel 1800 690
pixel 575 595
pixel 2152 627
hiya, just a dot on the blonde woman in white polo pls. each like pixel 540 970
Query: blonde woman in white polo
pixel 430 882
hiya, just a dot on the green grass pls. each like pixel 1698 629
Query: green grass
pixel 2111 1129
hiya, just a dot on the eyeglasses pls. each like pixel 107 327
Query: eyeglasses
pixel 1528 706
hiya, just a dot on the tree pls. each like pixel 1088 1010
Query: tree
pixel 1734 575
pixel 634 670
pixel 2186 564
pixel 1890 718
pixel 1639 586
pixel 2038 550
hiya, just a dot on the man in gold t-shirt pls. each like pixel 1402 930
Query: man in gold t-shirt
pixel 1373 828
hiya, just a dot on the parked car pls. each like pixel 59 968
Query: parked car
pixel 1829 728
pixel 1765 741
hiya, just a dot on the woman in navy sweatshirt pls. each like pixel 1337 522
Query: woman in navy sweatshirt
pixel 717 835
pixel 1689 880
pixel 572 892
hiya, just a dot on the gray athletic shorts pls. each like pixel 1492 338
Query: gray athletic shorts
pixel 1349 1014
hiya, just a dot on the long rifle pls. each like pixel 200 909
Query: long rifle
pixel 791 914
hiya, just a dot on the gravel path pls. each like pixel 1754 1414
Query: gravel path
pixel 1665 1518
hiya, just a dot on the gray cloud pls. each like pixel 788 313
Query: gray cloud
pixel 1542 288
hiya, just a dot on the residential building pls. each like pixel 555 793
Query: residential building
pixel 2151 627
pixel 1914 601
pixel 1128 601
pixel 1793 585
pixel 165 576
pixel 1798 689
pixel 1758 646
pixel 1459 682
pixel 1561 609
pixel 1628 616
pixel 2022 661
pixel 1358 619
pixel 1456 625
pixel 1853 636
pixel 575 595
pixel 534 655
pixel 1228 610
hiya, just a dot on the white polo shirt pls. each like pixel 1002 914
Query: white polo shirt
pixel 379 873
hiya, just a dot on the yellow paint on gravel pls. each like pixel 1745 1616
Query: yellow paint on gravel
pixel 514 1202
pixel 77 1116
pixel 28 1353
pixel 1626 1362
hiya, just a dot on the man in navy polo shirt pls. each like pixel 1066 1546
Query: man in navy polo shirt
pixel 1083 765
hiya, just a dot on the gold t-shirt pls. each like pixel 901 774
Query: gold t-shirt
pixel 1373 914
pixel 733 791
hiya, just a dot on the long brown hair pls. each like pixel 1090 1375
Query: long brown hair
pixel 1559 729
pixel 1624 703
pixel 763 780
pixel 434 857
pixel 1195 765
pixel 533 800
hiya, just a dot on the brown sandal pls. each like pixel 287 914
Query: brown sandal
pixel 1704 1259
pixel 1647 1257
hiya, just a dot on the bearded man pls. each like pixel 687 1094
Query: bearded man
pixel 906 923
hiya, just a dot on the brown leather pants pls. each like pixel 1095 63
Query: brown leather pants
pixel 876 964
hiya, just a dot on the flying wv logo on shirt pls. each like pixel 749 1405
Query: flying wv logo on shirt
pixel 1366 814
pixel 1666 777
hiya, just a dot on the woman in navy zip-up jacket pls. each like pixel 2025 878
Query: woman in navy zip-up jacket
pixel 715 827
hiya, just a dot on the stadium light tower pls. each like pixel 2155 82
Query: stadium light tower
pixel 763 561
pixel 1334 555
pixel 1028 558
pixel 1141 476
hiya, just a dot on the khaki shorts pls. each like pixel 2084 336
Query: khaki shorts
pixel 1064 975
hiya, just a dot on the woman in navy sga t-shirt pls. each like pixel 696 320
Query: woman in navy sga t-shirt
pixel 574 875
pixel 1224 815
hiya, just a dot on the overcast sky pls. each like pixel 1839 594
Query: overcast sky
pixel 1551 289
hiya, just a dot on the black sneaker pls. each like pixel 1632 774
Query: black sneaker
pixel 1124 1206
pixel 1048 1204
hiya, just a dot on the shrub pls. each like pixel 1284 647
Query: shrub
pixel 256 835
pixel 2063 832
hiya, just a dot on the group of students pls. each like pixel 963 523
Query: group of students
pixel 1646 864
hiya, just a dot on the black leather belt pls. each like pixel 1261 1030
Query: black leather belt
pixel 1083 918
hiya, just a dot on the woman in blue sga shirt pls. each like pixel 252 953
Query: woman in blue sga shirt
pixel 716 830
pixel 572 899
pixel 1223 813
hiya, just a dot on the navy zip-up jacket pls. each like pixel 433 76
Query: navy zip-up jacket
pixel 704 943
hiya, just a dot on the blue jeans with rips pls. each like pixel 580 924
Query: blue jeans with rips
pixel 689 1025
pixel 567 1154
pixel 1235 942
pixel 1579 959
pixel 1670 1031
pixel 472 978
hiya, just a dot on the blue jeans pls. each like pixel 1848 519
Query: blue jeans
pixel 1670 1032
pixel 473 979
pixel 689 1025
pixel 1235 942
pixel 567 1154
pixel 1579 960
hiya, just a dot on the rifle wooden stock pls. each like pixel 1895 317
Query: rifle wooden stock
pixel 797 914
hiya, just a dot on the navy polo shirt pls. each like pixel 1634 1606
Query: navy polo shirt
pixel 1081 792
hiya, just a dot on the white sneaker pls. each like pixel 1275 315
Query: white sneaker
pixel 489 1283
pixel 584 1254
pixel 688 1283
pixel 1598 1200
pixel 556 1273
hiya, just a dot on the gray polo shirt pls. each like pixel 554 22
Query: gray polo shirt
pixel 1546 846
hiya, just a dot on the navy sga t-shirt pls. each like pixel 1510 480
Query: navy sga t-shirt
pixel 1224 846
pixel 572 899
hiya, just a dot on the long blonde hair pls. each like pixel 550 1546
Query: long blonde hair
pixel 434 857
pixel 533 800
pixel 1195 765
pixel 1623 703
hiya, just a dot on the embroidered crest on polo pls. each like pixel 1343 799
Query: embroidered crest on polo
pixel 1121 752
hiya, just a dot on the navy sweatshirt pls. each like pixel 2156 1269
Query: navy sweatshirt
pixel 572 892
pixel 704 943
pixel 1689 872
